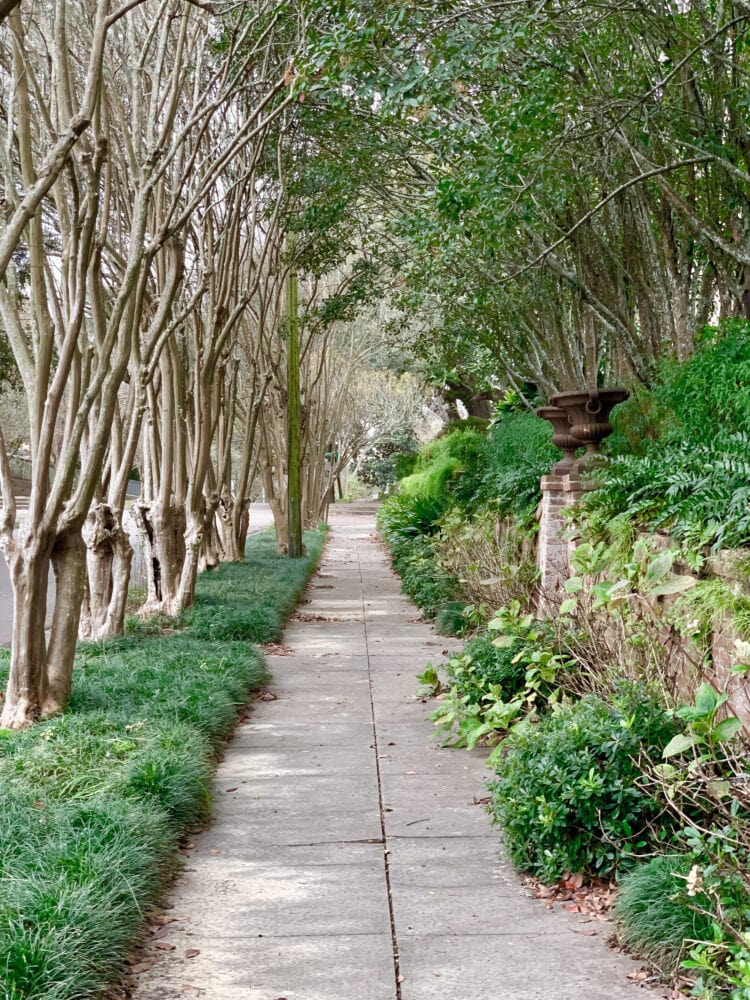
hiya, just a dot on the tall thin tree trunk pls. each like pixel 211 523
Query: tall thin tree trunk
pixel 26 690
pixel 295 548
pixel 69 565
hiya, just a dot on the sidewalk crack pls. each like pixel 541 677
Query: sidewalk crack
pixel 384 835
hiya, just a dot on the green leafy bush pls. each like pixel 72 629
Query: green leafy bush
pixel 447 469
pixel 403 517
pixel 567 793
pixel 680 455
pixel 422 578
pixel 450 620
pixel 482 664
pixel 655 915
pixel 519 452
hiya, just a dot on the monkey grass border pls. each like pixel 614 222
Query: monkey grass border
pixel 94 801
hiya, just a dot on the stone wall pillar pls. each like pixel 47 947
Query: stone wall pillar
pixel 555 549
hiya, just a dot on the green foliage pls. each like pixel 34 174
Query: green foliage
pixel 431 483
pixel 720 961
pixel 655 915
pixel 482 701
pixel 232 606
pixel 536 652
pixel 403 517
pixel 75 879
pixel 568 793
pixel 483 663
pixel 390 460
pixel 450 619
pixel 462 477
pixel 447 468
pixel 501 680
pixel 422 578
pixel 690 474
pixel 519 453
pixel 95 800
pixel 704 728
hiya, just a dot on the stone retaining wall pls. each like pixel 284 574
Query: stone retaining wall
pixel 553 559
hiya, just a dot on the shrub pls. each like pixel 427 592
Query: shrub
pixel 679 455
pixel 448 469
pixel 422 578
pixel 519 452
pixel 567 793
pixel 656 918
pixel 403 517
pixel 482 664
pixel 449 619
pixel 494 559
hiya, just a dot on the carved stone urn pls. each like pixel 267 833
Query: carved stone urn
pixel 588 413
pixel 562 438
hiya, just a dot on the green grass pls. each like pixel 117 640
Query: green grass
pixel 654 912
pixel 95 800
pixel 232 604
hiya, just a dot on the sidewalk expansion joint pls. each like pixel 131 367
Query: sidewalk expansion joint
pixel 386 862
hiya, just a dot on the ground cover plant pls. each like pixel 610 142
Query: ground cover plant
pixel 95 799
pixel 656 916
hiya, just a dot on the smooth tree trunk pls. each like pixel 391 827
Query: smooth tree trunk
pixel 26 691
pixel 69 566
pixel 230 515
pixel 198 528
pixel 212 549
pixel 109 558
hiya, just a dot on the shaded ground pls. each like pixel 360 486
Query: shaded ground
pixel 349 859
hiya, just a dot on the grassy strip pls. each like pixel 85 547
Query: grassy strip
pixel 95 800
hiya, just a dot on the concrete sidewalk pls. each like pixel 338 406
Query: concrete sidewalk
pixel 348 859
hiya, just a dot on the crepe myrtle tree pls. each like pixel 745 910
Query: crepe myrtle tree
pixel 204 194
pixel 89 298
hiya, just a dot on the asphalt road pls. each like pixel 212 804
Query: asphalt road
pixel 260 518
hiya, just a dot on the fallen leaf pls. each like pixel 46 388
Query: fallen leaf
pixel 232 789
pixel 586 933
pixel 164 946
pixel 192 952
pixel 140 967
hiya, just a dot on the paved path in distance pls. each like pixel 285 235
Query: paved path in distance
pixel 347 859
